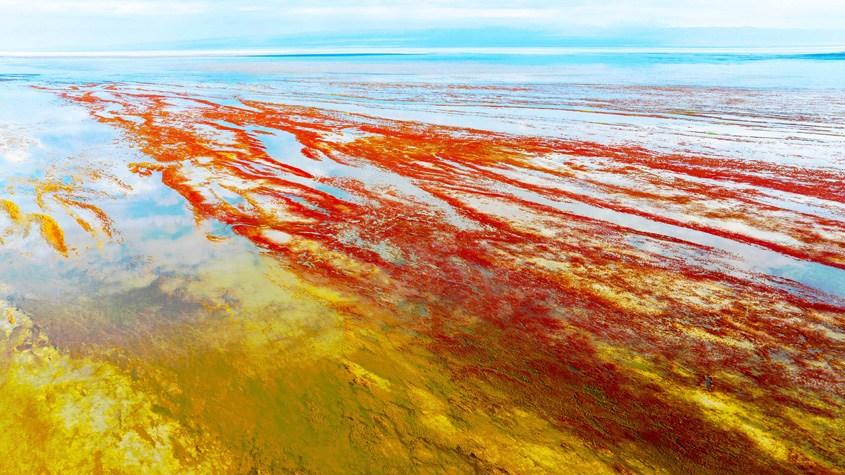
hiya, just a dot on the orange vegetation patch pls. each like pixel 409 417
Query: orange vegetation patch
pixel 647 345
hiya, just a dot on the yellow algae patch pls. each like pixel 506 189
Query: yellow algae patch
pixel 52 233
pixel 72 197
pixel 364 377
pixel 727 411
pixel 10 317
pixel 67 415
pixel 432 410
pixel 829 430
pixel 499 438
pixel 295 377
pixel 12 210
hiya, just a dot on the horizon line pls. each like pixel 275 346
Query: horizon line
pixel 403 51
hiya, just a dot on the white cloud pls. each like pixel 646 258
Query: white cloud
pixel 753 13
pixel 101 7
pixel 679 13
pixel 28 24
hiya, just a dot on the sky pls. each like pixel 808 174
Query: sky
pixel 108 25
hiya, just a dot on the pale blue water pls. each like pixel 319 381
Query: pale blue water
pixel 700 68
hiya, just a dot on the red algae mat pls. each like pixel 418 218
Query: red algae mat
pixel 508 303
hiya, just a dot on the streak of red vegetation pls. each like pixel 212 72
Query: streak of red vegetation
pixel 482 289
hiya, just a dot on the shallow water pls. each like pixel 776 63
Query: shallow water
pixel 534 263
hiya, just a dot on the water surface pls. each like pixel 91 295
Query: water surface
pixel 449 262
